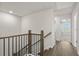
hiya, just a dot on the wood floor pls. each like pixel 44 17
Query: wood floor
pixel 62 48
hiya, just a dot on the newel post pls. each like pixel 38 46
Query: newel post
pixel 29 41
pixel 42 43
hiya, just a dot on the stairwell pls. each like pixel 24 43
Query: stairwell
pixel 23 45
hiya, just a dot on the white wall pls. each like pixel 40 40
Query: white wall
pixel 36 22
pixel 60 33
pixel 9 25
pixel 75 26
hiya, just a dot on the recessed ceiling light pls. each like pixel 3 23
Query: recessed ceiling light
pixel 10 11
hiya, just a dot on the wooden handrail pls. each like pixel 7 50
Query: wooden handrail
pixel 13 36
pixel 29 45
pixel 35 42
pixel 47 34
pixel 39 40
pixel 26 34
pixel 17 35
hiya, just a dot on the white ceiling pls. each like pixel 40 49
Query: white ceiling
pixel 25 8
pixel 61 5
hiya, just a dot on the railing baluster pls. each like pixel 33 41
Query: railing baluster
pixel 16 45
pixel 26 44
pixel 8 46
pixel 12 45
pixel 4 47
pixel 21 45
pixel 38 44
pixel 34 45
